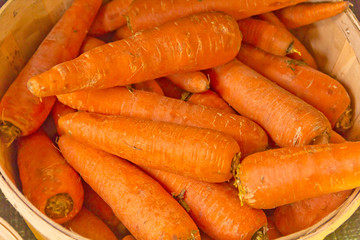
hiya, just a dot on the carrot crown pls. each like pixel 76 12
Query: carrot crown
pixel 9 131
pixel 238 185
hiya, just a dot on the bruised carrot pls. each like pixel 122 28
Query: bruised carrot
pixel 47 180
pixel 301 215
pixel 21 112
pixel 122 33
pixel 210 99
pixel 149 86
pixel 110 17
pixel 90 43
pixel 336 138
pixel 146 55
pixel 206 200
pixel 286 175
pixel 59 110
pixel 288 120
pixel 88 225
pixel 307 13
pixel 194 82
pixel 129 237
pixel 170 89
pixel 144 207
pixel 139 104
pixel 314 87
pixel 94 203
pixel 273 232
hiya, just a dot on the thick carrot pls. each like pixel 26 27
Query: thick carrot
pixel 102 210
pixel 149 86
pixel 144 14
pixel 206 200
pixel 110 17
pixel 88 225
pixel 145 105
pixel 307 13
pixel 129 237
pixel 144 207
pixel 170 89
pixel 184 45
pixel 273 232
pixel 286 175
pixel 122 33
pixel 47 180
pixel 314 87
pixel 59 110
pixel 336 138
pixel 301 215
pixel 210 99
pixel 90 43
pixel 21 112
pixel 288 120
pixel 194 82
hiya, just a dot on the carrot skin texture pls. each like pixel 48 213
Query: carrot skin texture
pixel 144 207
pixel 59 110
pixel 206 200
pixel 139 104
pixel 149 86
pixel 170 89
pixel 90 43
pixel 307 13
pixel 146 56
pixel 314 87
pixel 88 225
pixel 336 138
pixel 211 99
pixel 21 108
pixel 44 175
pixel 287 119
pixel 287 175
pixel 194 82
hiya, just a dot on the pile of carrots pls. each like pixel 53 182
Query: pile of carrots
pixel 206 120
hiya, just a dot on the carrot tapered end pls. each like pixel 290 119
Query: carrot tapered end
pixel 345 121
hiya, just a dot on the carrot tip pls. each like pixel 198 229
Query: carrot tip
pixel 10 132
pixel 235 163
pixel 323 138
pixel 185 96
pixel 260 234
pixel 239 186
pixel 345 121
pixel 59 206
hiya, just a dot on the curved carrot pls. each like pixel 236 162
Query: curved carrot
pixel 139 104
pixel 307 13
pixel 314 87
pixel 133 60
pixel 206 200
pixel 149 86
pixel 170 89
pixel 59 110
pixel 210 99
pixel 88 225
pixel 194 82
pixel 336 138
pixel 122 33
pixel 144 207
pixel 110 17
pixel 90 43
pixel 301 215
pixel 281 176
pixel 21 112
pixel 288 120
pixel 47 180
pixel 273 233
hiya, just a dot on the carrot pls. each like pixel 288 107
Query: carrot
pixel 146 56
pixel 139 104
pixel 59 110
pixel 206 200
pixel 273 232
pixel 144 207
pixel 139 16
pixel 204 236
pixel 301 215
pixel 210 99
pixel 314 87
pixel 287 175
pixel 99 207
pixel 88 225
pixel 149 86
pixel 90 43
pixel 129 237
pixel 336 138
pixel 170 89
pixel 21 112
pixel 271 18
pixel 122 33
pixel 195 82
pixel 307 13
pixel 47 180
pixel 288 120
pixel 110 17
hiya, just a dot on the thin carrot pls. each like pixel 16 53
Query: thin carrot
pixel 129 237
pixel 110 17
pixel 210 99
pixel 206 200
pixel 301 215
pixel 194 82
pixel 149 86
pixel 145 105
pixel 314 87
pixel 21 112
pixel 144 207
pixel 47 180
pixel 307 13
pixel 94 203
pixel 90 43
pixel 59 110
pixel 170 89
pixel 122 33
pixel 273 232
pixel 288 120
pixel 88 225
pixel 147 55
pixel 286 175
pixel 336 138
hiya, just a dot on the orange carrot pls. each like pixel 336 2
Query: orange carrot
pixel 286 175
pixel 99 207
pixel 205 201
pixel 129 237
pixel 88 225
pixel 301 215
pixel 110 17
pixel 21 112
pixel 141 17
pixel 336 138
pixel 149 86
pixel 307 13
pixel 47 180
pixel 90 43
pixel 288 120
pixel 271 18
pixel 273 232
pixel 59 110
pixel 195 82
pixel 139 104
pixel 147 56
pixel 314 87
pixel 122 33
pixel 210 99
pixel 170 89
pixel 144 207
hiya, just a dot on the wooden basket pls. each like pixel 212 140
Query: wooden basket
pixel 335 43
